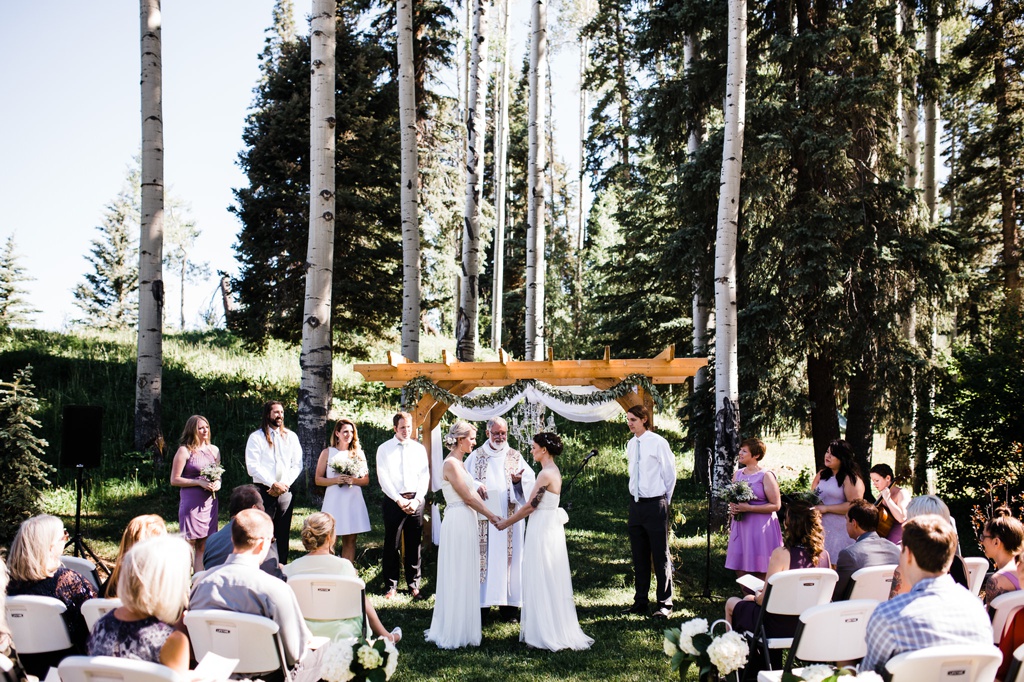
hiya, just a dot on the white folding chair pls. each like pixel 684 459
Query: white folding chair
pixel 827 633
pixel 977 567
pixel 957 663
pixel 253 640
pixel 96 608
pixel 110 669
pixel 83 567
pixel 329 597
pixel 790 593
pixel 1015 671
pixel 872 582
pixel 37 624
pixel 1003 609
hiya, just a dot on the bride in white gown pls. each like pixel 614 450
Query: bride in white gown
pixel 456 619
pixel 548 619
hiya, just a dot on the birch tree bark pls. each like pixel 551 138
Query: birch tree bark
pixel 466 328
pixel 535 181
pixel 727 416
pixel 149 369
pixel 500 171
pixel 410 189
pixel 314 398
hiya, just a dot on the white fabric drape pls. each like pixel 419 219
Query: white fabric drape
pixel 578 413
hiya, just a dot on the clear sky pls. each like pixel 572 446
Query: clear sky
pixel 69 127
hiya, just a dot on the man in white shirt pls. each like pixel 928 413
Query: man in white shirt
pixel 504 479
pixel 652 479
pixel 404 475
pixel 273 457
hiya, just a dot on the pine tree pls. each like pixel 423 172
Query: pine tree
pixel 180 236
pixel 22 471
pixel 14 308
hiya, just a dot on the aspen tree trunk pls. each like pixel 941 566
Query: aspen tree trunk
pixel 149 370
pixel 500 171
pixel 314 399
pixel 467 329
pixel 410 189
pixel 727 415
pixel 535 181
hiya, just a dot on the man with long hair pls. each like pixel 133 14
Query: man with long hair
pixel 273 457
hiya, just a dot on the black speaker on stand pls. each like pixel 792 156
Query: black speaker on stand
pixel 81 448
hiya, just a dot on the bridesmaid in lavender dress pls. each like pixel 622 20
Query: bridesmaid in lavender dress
pixel 197 511
pixel 839 483
pixel 755 531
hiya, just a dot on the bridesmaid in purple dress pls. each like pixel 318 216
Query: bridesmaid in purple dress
pixel 755 531
pixel 197 511
pixel 839 483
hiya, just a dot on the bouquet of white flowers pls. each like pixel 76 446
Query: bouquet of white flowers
pixel 212 472
pixel 359 659
pixel 737 491
pixel 695 642
pixel 826 673
pixel 348 463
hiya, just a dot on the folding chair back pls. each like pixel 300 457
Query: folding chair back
pixel 96 608
pixel 790 593
pixel 1003 609
pixel 83 567
pixel 959 663
pixel 329 597
pixel 110 669
pixel 253 640
pixel 1015 671
pixel 872 582
pixel 37 624
pixel 977 567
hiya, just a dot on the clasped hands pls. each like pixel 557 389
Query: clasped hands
pixel 211 486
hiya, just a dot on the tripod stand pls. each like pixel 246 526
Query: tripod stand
pixel 80 548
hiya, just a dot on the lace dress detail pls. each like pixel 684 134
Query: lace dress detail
pixel 140 640
pixel 67 586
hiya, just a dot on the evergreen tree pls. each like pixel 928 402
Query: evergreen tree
pixel 14 308
pixel 180 236
pixel 21 468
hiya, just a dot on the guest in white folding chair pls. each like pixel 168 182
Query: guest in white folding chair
pixel 318 537
pixel 35 569
pixel 936 611
pixel 153 588
pixel 803 546
pixel 17 672
pixel 932 504
pixel 867 550
pixel 138 529
pixel 1001 540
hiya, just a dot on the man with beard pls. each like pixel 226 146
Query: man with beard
pixel 273 457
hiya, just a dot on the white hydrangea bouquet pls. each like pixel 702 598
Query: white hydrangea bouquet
pixel 826 673
pixel 736 492
pixel 360 660
pixel 349 463
pixel 695 642
pixel 212 472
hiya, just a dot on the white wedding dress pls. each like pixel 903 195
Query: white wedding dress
pixel 548 619
pixel 456 619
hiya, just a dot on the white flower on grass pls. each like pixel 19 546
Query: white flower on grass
pixel 687 630
pixel 728 653
pixel 869 676
pixel 337 661
pixel 369 657
pixel 816 673
pixel 392 662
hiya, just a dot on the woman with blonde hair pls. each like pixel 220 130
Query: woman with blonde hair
pixel 138 529
pixel 342 469
pixel 153 586
pixel 197 509
pixel 318 537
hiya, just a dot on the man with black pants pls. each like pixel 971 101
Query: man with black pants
pixel 404 475
pixel 652 479
pixel 273 457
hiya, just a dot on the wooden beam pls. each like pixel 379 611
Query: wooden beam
pixel 607 354
pixel 503 356
pixel 668 355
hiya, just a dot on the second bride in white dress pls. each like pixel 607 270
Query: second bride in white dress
pixel 548 619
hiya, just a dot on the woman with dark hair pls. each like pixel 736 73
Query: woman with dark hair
pixel 802 547
pixel 754 533
pixel 892 498
pixel 549 613
pixel 342 469
pixel 197 510
pixel 1001 540
pixel 838 483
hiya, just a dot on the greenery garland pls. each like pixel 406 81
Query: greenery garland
pixel 415 389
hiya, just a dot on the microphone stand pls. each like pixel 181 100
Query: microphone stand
pixel 568 486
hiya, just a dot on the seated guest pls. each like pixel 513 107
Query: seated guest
pixel 932 504
pixel 35 569
pixel 240 586
pixel 140 528
pixel 936 611
pixel 218 545
pixel 867 550
pixel 16 672
pixel 318 537
pixel 803 546
pixel 1001 540
pixel 153 588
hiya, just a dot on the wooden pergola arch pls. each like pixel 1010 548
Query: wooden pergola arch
pixel 462 377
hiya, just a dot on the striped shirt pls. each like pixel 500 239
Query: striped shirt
pixel 935 612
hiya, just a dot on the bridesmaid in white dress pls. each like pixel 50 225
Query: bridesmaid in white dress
pixel 343 498
pixel 548 620
pixel 456 619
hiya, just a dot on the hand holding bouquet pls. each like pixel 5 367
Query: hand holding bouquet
pixel 736 492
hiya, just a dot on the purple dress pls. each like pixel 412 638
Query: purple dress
pixel 746 613
pixel 754 537
pixel 834 525
pixel 197 511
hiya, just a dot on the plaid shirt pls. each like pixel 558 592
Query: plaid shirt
pixel 936 611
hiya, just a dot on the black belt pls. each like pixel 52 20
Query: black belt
pixel 651 499
pixel 408 496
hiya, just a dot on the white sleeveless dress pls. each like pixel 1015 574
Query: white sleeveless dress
pixel 456 619
pixel 345 503
pixel 548 619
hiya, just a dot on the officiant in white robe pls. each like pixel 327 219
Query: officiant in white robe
pixel 502 475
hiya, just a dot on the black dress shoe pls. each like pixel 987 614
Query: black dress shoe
pixel 635 609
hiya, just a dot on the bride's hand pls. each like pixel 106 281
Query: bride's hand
pixel 500 524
